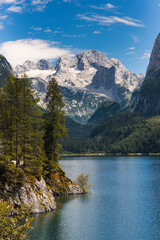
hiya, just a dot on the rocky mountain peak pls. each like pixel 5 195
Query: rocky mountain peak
pixel 65 62
pixel 154 63
pixel 29 65
pixel 117 63
pixel 44 65
pixel 92 58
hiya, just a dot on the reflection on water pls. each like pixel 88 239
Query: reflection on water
pixel 124 203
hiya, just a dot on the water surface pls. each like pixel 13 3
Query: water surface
pixel 124 203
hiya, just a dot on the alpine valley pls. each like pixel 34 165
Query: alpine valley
pixel 109 109
pixel 115 129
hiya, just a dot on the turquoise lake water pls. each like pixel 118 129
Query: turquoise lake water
pixel 124 203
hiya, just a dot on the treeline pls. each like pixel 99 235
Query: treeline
pixel 28 137
pixel 122 133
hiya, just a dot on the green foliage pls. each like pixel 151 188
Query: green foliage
pixel 107 109
pixel 21 124
pixel 15 224
pixel 10 174
pixel 22 129
pixel 54 124
pixel 75 129
pixel 120 134
pixel 83 181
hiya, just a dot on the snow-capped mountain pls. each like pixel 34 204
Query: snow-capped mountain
pixel 90 72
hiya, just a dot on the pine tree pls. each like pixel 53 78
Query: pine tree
pixel 32 135
pixel 54 124
pixel 1 121
pixel 22 124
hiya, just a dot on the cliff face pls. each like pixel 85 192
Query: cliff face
pixel 5 70
pixel 147 99
pixel 39 196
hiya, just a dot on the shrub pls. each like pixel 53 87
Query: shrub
pixel 83 181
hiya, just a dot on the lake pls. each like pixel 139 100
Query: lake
pixel 124 202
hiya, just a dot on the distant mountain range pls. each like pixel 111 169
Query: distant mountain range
pixel 116 130
pixel 86 81
pixel 119 110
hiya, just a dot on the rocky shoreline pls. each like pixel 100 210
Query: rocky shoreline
pixel 39 196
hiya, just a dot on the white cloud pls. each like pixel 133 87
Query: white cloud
pixel 134 38
pixel 108 5
pixel 74 36
pixel 48 30
pixel 103 20
pixel 130 53
pixel 1 26
pixel 17 52
pixel 15 9
pixel 7 1
pixel 146 55
pixel 131 48
pixel 96 32
pixel 56 32
pixel 40 4
pixel 3 17
pixel 36 28
pixel 104 6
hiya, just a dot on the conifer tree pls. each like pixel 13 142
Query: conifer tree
pixel 22 124
pixel 1 121
pixel 54 124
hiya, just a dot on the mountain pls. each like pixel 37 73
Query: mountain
pixel 86 81
pixel 29 65
pixel 122 133
pixel 5 69
pixel 106 110
pixel 147 99
pixel 125 132
pixel 92 70
pixel 80 104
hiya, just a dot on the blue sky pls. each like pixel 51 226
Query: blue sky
pixel 122 29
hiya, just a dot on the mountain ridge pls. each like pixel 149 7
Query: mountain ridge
pixel 88 77
pixel 90 72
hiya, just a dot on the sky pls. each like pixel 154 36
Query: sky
pixel 48 29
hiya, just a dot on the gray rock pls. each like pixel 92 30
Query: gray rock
pixel 147 99
pixel 5 70
pixel 75 189
pixel 44 65
pixel 37 197
pixel 154 63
